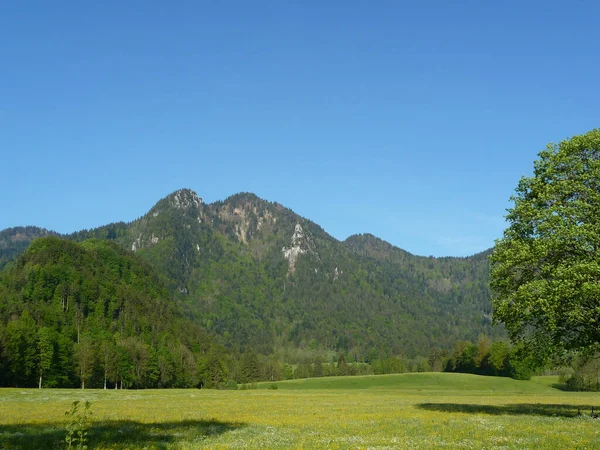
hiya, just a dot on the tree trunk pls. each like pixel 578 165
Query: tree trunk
pixel 40 385
pixel 104 381
pixel 83 383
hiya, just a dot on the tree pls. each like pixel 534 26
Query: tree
pixel 318 367
pixel 145 367
pixel 85 358
pixel 213 371
pixel 288 372
pixel 436 359
pixel 21 346
pixel 483 351
pixel 109 360
pixel 498 358
pixel 45 352
pixel 546 268
pixel 249 368
pixel 342 365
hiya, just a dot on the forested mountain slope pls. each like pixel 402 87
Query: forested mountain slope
pixel 14 241
pixel 93 312
pixel 257 275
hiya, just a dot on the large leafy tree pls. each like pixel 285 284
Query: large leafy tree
pixel 546 268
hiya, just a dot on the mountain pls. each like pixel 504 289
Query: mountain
pixel 258 276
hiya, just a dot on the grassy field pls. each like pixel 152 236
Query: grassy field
pixel 389 411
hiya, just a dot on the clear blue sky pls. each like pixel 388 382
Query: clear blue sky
pixel 410 120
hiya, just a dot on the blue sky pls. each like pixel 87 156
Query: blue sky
pixel 410 120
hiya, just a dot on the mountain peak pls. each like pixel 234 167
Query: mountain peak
pixel 185 198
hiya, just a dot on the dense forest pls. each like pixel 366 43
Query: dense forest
pixel 239 277
pixel 95 314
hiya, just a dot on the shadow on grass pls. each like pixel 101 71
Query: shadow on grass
pixel 518 409
pixel 115 434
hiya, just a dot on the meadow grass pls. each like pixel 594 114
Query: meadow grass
pixel 389 411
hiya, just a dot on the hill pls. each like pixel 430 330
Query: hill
pixel 97 313
pixel 258 276
pixel 421 383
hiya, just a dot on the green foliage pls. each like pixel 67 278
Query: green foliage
pixel 231 385
pixel 213 371
pixel 20 350
pixel 497 359
pixel 45 351
pixel 78 425
pixel 545 269
pixel 288 372
pixel 93 314
pixel 585 375
pixel 392 364
pixel 249 368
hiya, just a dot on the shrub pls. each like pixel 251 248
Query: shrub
pixel 78 426
pixel 231 385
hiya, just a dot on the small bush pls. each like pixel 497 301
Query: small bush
pixel 273 386
pixel 231 385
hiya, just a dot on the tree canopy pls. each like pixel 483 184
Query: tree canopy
pixel 546 268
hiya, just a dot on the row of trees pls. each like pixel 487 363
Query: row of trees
pixel 495 359
pixel 33 355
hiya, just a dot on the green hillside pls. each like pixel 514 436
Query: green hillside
pixel 420 383
pixel 96 313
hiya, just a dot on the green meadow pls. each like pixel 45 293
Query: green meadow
pixel 429 410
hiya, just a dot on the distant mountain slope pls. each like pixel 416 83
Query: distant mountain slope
pixel 14 241
pixel 259 276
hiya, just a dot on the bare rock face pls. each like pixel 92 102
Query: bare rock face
pixel 300 244
pixel 186 198
pixel 247 218
pixel 137 243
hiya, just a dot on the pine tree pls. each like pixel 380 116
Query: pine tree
pixel 249 368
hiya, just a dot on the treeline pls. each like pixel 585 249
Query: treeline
pixel 484 358
pixel 250 368
pixel 487 358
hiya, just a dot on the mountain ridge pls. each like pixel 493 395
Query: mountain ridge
pixel 233 197
pixel 258 275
